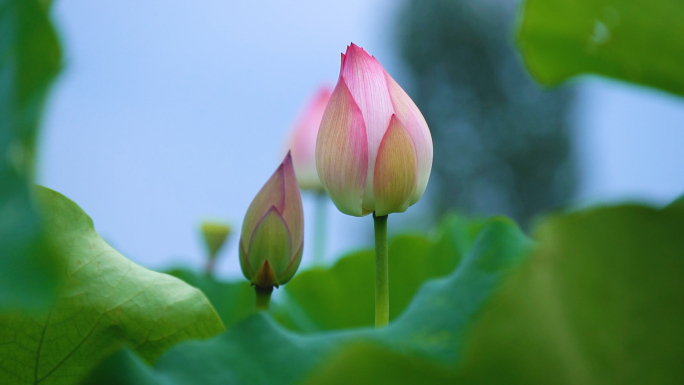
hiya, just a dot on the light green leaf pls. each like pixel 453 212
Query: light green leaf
pixel 30 58
pixel 105 301
pixel 259 351
pixel 343 296
pixel 638 41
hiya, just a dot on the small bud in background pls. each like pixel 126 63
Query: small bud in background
pixel 215 235
pixel 374 148
pixel 302 140
pixel 272 236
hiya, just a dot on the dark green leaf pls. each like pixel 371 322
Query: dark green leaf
pixel 29 60
pixel 600 302
pixel 364 363
pixel 679 202
pixel 639 41
pixel 105 300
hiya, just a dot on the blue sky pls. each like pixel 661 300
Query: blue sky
pixel 171 112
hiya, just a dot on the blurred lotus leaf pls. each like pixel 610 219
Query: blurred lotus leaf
pixel 638 41
pixel 105 300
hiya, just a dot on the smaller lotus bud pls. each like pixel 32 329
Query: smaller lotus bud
pixel 273 231
pixel 302 141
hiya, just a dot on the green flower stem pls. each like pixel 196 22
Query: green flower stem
pixel 263 297
pixel 320 229
pixel 381 272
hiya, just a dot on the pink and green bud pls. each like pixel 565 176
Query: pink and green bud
pixel 374 148
pixel 302 142
pixel 273 230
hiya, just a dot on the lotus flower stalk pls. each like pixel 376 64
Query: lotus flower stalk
pixel 373 152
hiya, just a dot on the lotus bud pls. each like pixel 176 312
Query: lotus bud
pixel 374 149
pixel 273 231
pixel 302 141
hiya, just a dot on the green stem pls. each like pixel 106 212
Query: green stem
pixel 381 272
pixel 320 228
pixel 263 297
pixel 210 266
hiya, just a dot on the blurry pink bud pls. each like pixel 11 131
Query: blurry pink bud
pixel 374 149
pixel 302 141
pixel 273 231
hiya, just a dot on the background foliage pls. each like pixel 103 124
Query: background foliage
pixel 637 41
pixel 502 144
pixel 30 57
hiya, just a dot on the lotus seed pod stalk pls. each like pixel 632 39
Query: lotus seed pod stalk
pixel 215 235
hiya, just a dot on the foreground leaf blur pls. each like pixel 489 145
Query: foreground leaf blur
pixel 638 41
pixel 105 301
pixel 30 58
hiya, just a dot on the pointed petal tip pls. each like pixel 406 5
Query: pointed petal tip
pixel 354 49
pixel 288 171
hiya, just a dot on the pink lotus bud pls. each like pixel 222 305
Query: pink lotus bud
pixel 374 149
pixel 273 231
pixel 302 141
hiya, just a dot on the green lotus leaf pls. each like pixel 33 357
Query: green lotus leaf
pixel 105 301
pixel 638 41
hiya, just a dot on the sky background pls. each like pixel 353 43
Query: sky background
pixel 168 113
